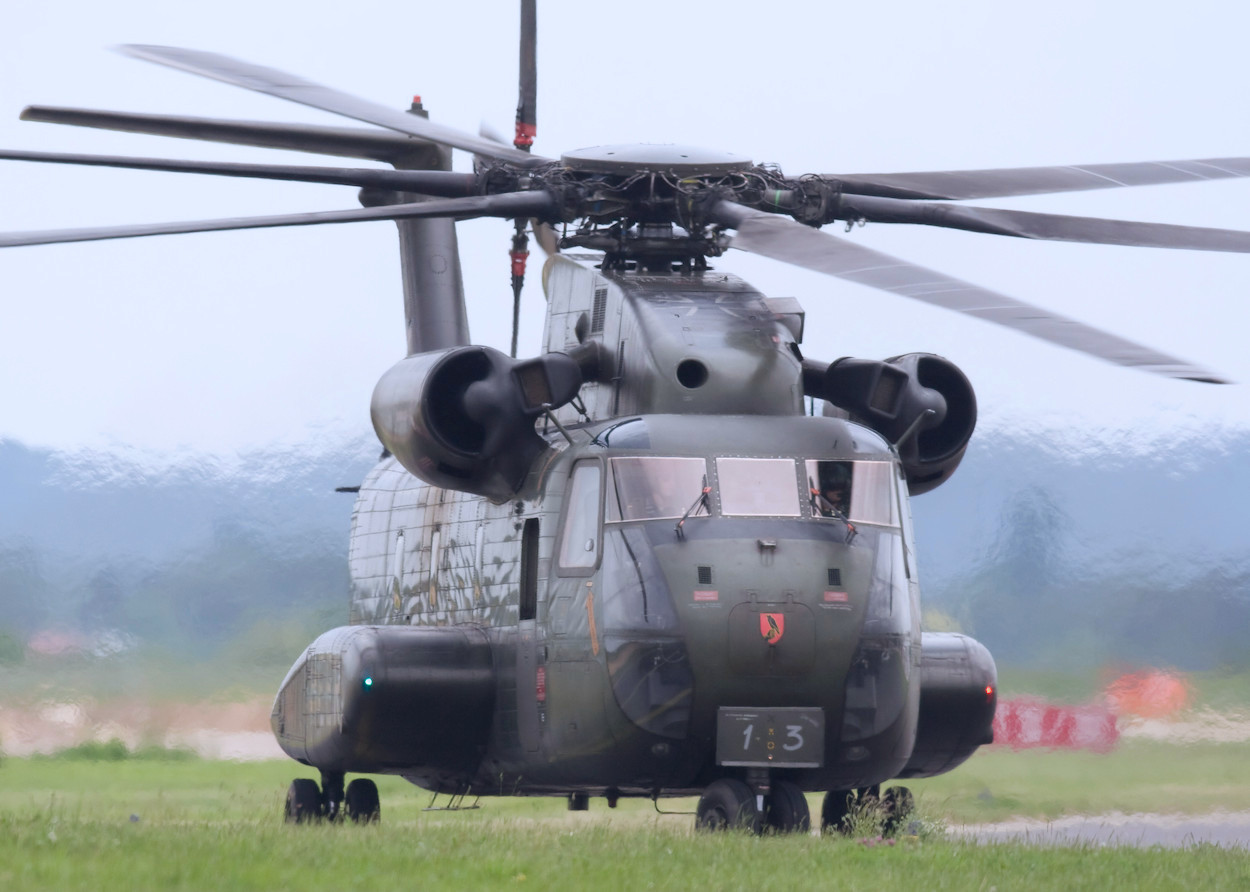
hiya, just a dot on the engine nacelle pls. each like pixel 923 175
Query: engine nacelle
pixel 463 418
pixel 919 401
pixel 389 698
pixel 958 694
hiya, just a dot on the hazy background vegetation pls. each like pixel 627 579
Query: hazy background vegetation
pixel 123 576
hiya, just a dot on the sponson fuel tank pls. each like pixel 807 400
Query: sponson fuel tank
pixel 958 694
pixel 381 698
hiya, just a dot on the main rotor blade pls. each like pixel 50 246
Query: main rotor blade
pixel 1053 227
pixel 424 182
pixel 958 185
pixel 296 89
pixel 348 142
pixel 527 102
pixel 784 239
pixel 513 204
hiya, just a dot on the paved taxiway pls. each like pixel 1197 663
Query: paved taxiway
pixel 1226 829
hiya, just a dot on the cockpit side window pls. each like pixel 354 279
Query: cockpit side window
pixel 758 487
pixel 649 488
pixel 829 483
pixel 859 491
pixel 579 539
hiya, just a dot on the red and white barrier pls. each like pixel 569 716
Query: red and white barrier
pixel 1026 723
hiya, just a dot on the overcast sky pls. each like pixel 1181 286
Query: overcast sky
pixel 226 341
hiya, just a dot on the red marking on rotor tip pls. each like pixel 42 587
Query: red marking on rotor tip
pixel 525 134
pixel 518 261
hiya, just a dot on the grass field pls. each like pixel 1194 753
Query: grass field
pixel 162 823
pixel 1138 776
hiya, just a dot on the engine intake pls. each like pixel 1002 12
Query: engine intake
pixel 921 402
pixel 463 418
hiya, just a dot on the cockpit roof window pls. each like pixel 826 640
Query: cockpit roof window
pixel 758 487
pixel 650 488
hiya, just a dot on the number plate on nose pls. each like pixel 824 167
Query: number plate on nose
pixel 793 737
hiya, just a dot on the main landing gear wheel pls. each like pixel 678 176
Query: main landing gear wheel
pixel 361 801
pixel 728 804
pixel 787 810
pixel 303 801
pixel 835 812
pixel 897 805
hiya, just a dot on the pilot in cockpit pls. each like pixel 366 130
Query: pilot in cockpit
pixel 833 497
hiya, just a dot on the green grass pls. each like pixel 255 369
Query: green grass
pixel 470 852
pixel 149 823
pixel 1138 776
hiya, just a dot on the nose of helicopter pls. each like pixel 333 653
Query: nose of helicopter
pixel 754 609
pixel 770 639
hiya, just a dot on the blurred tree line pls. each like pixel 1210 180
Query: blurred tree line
pixel 1037 597
pixel 1052 559
pixel 244 598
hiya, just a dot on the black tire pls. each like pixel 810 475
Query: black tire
pixel 361 801
pixel 787 810
pixel 897 805
pixel 728 804
pixel 835 812
pixel 303 801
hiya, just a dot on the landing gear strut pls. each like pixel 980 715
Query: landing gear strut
pixel 332 794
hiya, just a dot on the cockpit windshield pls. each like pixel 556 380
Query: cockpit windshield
pixel 860 491
pixel 648 488
pixel 666 487
pixel 758 487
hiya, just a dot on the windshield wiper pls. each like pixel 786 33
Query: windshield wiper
pixel 701 500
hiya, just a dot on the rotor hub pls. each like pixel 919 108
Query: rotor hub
pixel 682 160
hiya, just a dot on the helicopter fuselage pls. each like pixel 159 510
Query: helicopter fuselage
pixel 667 598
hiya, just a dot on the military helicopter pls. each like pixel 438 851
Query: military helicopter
pixel 634 565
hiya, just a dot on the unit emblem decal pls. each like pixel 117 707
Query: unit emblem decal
pixel 772 626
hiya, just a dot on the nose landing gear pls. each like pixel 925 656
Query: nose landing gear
pixel 786 809
pixel 731 804
pixel 728 804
